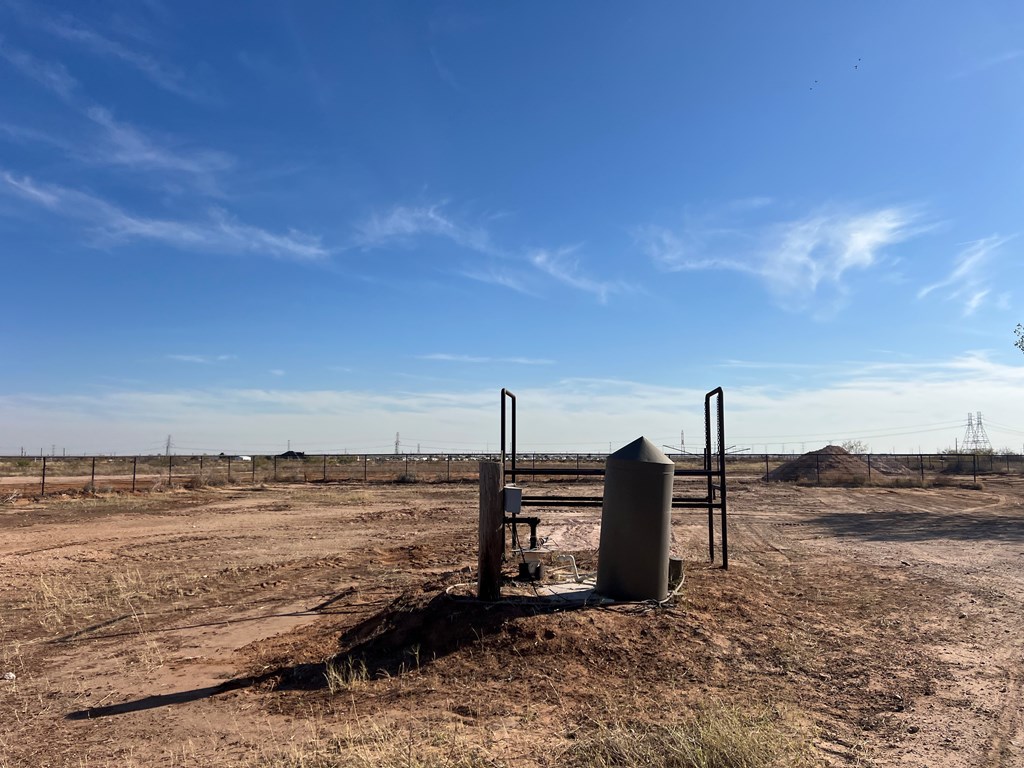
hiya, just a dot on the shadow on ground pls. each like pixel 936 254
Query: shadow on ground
pixel 916 525
pixel 409 633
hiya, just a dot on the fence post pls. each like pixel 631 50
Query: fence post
pixel 492 531
pixel 817 467
pixel 92 477
pixel 170 464
pixel 449 468
pixel 200 465
pixel 920 463
pixel 407 465
pixel 577 467
pixel 275 468
pixel 975 457
pixel 869 467
pixel 42 485
pixel 766 467
pixel 135 464
pixel 229 469
pixel 254 469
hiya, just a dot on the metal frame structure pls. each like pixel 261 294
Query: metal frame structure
pixel 713 471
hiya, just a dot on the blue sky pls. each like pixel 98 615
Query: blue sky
pixel 331 222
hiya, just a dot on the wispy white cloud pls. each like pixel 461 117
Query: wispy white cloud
pixel 677 252
pixel 823 248
pixel 499 276
pixel 73 30
pixel 991 62
pixel 50 198
pixel 277 372
pixel 404 224
pixel 450 358
pixel 968 281
pixel 126 145
pixel 51 75
pixel 119 143
pixel 506 267
pixel 201 359
pixel 564 266
pixel 219 233
pixel 24 135
pixel 793 259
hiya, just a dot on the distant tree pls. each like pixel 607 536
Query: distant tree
pixel 1019 330
pixel 855 446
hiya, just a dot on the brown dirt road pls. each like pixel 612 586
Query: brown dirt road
pixel 190 628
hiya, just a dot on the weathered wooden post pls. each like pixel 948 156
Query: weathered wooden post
pixel 492 529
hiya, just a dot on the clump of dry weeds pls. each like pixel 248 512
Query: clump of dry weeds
pixel 716 737
pixel 382 744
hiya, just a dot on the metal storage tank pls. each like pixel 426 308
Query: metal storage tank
pixel 636 523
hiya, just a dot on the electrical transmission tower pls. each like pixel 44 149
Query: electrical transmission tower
pixel 398 443
pixel 975 437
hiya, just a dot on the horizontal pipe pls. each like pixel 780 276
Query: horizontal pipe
pixel 556 471
pixel 597 472
pixel 592 501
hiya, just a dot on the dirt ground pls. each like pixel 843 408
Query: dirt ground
pixel 879 626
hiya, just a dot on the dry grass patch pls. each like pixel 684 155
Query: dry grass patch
pixel 387 745
pixel 717 737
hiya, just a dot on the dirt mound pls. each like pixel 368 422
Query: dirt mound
pixel 835 464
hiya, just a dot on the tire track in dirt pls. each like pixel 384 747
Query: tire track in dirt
pixel 1004 742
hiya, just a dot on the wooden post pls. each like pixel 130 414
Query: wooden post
pixel 492 530
pixel 92 477
pixel 42 484
pixel 135 464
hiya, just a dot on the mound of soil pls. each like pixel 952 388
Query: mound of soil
pixel 834 463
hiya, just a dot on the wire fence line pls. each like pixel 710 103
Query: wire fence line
pixel 24 475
